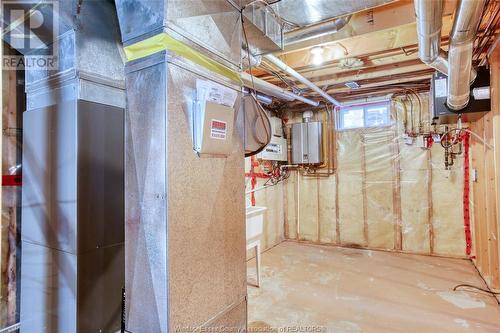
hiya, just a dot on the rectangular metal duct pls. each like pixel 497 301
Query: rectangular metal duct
pixel 309 12
pixel 263 31
pixel 185 215
pixel 185 235
pixel 72 268
pixel 214 25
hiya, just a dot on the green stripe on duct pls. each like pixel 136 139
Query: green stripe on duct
pixel 164 42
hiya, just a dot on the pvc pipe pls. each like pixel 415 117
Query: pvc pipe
pixel 258 189
pixel 271 89
pixel 287 69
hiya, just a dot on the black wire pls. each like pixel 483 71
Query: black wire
pixel 492 293
pixel 289 83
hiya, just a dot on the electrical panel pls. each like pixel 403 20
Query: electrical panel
pixel 277 149
pixel 307 139
pixel 473 111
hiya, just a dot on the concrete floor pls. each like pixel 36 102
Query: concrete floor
pixel 331 289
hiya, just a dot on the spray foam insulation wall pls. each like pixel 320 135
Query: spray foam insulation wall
pixel 385 194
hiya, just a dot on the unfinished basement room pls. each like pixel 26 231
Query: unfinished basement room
pixel 260 166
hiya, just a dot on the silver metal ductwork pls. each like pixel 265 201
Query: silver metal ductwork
pixel 466 23
pixel 304 13
pixel 429 22
pixel 72 236
pixel 311 19
pixel 166 264
pixel 316 30
pixel 457 64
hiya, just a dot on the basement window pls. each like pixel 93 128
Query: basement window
pixel 363 116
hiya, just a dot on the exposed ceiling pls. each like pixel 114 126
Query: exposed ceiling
pixel 382 42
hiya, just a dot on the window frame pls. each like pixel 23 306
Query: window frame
pixel 364 106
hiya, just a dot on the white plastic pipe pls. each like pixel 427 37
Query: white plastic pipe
pixel 271 89
pixel 258 189
pixel 290 71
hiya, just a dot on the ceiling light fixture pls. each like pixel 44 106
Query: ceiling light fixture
pixel 317 55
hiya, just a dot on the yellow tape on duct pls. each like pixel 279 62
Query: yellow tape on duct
pixel 163 41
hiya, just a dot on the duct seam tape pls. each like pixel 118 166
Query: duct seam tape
pixel 164 42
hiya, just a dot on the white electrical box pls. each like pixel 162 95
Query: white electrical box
pixel 276 150
pixel 277 127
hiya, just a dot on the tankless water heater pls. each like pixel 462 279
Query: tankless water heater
pixel 307 140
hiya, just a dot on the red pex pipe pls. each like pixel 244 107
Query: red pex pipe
pixel 468 238
pixel 12 180
pixel 254 178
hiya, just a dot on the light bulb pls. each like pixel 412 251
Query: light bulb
pixel 317 55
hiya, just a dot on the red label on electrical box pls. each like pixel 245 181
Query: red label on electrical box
pixel 12 180
pixel 218 129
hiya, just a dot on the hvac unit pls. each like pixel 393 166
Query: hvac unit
pixel 479 103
